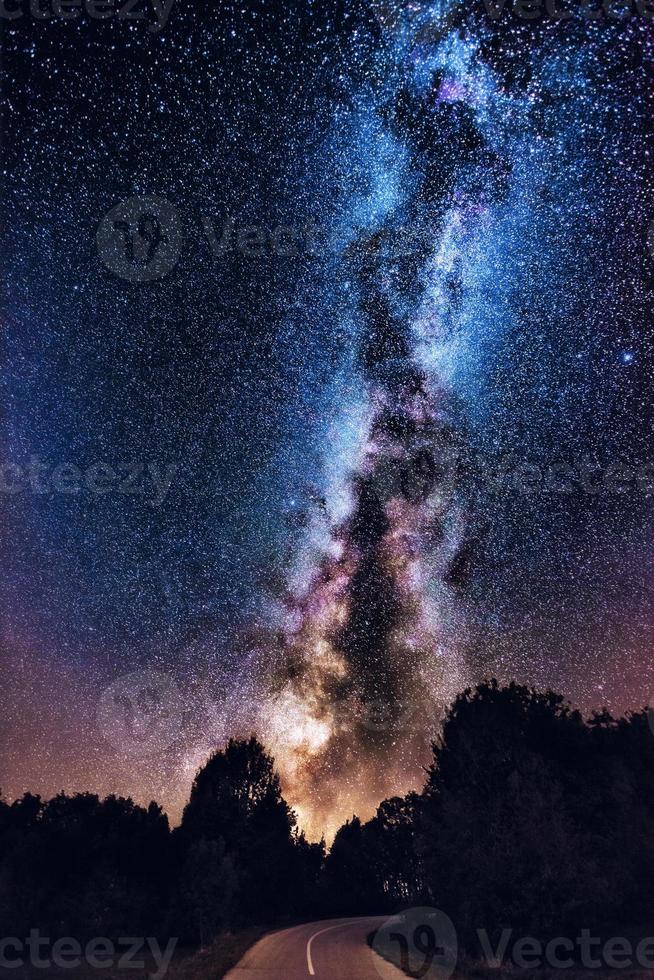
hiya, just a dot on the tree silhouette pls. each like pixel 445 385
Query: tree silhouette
pixel 533 819
pixel 236 799
pixel 208 887
pixel 83 867
pixel 234 788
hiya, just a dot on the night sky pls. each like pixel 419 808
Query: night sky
pixel 349 408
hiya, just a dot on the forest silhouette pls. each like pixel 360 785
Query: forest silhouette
pixel 530 818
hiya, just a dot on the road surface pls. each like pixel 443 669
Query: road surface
pixel 335 949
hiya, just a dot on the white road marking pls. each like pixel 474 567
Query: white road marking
pixel 315 936
pixel 339 925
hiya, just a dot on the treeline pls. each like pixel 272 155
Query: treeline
pixel 531 818
pixel 84 867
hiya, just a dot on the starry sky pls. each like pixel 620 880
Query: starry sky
pixel 327 388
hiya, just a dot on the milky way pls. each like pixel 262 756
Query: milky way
pixel 378 636
pixel 387 413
